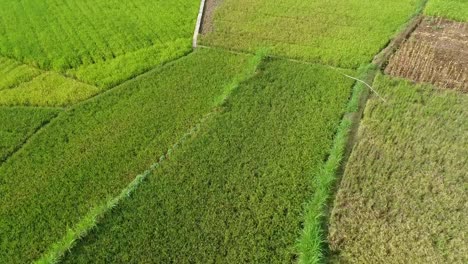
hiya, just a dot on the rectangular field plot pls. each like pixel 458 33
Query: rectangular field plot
pixel 344 33
pixel 403 194
pixel 235 192
pixel 18 124
pixel 60 35
pixel 453 9
pixel 92 151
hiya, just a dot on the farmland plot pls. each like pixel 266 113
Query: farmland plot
pixel 72 36
pixel 403 194
pixel 344 33
pixel 93 150
pixel 235 192
pixel 18 124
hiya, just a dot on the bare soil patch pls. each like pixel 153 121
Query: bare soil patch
pixel 208 15
pixel 436 53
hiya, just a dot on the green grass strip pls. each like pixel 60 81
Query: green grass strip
pixel 87 223
pixel 312 240
pixel 58 249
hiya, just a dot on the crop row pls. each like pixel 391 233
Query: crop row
pixel 403 194
pixel 235 192
pixel 347 34
pixel 90 152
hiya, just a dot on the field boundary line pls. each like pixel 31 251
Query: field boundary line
pixel 34 133
pixel 198 24
pixel 155 69
pixel 310 244
pixel 84 226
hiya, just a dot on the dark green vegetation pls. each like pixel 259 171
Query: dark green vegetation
pixel 453 9
pixel 88 35
pixel 94 150
pixel 403 195
pixel 18 124
pixel 345 33
pixel 235 193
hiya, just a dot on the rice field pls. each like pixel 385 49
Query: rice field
pixel 345 33
pixel 272 141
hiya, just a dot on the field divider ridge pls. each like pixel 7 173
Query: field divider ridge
pixel 34 133
pixel 312 246
pixel 152 70
pixel 57 250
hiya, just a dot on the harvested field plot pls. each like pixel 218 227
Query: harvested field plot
pixel 452 9
pixel 344 33
pixel 403 196
pixel 61 35
pixel 436 52
pixel 92 151
pixel 18 124
pixel 235 193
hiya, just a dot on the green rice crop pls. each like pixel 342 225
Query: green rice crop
pixel 18 124
pixel 60 35
pixel 92 151
pixel 48 89
pixel 235 192
pixel 403 194
pixel 344 33
pixel 12 73
pixel 111 72
pixel 453 9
